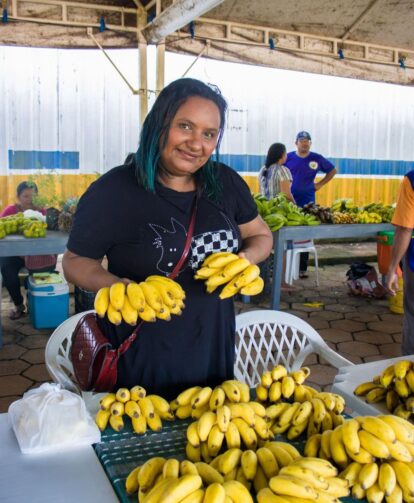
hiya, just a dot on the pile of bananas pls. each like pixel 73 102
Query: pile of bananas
pixel 341 217
pixel 365 217
pixel 143 410
pixel 323 214
pixel 156 297
pixel 305 479
pixel 279 211
pixel 385 211
pixel 395 386
pixel 171 481
pixel 18 224
pixel 375 454
pixel 238 274
pixel 309 410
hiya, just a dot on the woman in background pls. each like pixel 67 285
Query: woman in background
pixel 10 266
pixel 274 177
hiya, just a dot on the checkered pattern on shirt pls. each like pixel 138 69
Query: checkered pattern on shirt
pixel 212 242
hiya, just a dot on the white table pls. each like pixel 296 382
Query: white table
pixel 18 246
pixel 69 476
pixel 348 378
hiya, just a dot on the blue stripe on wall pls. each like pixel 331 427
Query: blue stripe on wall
pixel 36 159
pixel 345 166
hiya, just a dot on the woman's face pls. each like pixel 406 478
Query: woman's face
pixel 192 137
pixel 26 199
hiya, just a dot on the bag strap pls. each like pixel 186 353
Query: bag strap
pixel 173 274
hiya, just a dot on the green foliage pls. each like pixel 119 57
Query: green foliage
pixel 49 189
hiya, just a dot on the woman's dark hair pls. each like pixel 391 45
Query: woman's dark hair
pixel 275 153
pixel 26 185
pixel 156 128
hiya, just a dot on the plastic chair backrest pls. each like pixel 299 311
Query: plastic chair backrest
pixel 57 352
pixel 265 338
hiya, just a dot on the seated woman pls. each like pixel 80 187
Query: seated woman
pixel 275 178
pixel 10 266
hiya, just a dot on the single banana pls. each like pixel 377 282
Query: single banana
pixel 376 395
pixel 232 436
pixel 117 295
pixel 305 474
pixel 387 479
pixel 363 388
pixel 215 493
pixel 303 413
pixel 337 447
pixel 262 393
pixel 275 391
pixel 116 422
pixel 154 422
pixel 183 411
pixel 185 397
pixel 217 398
pixel 260 480
pixel 401 368
pixel 148 314
pixel 387 376
pixel 404 477
pixel 247 276
pixel 131 482
pixel 205 424
pixel 149 472
pixel 374 445
pixel 266 379
pixel 229 460
pixel 247 434
pixel 237 491
pixel 180 488
pixel 209 474
pixel 188 468
pixel 106 402
pixel 265 495
pixel 319 410
pixel 313 445
pixel 159 403
pixel 368 475
pixel 351 472
pixel 171 468
pixel 244 411
pixel 244 391
pixel 278 372
pixel 117 408
pixel 152 296
pixel 289 486
pixel 249 464
pixel 137 392
pixel 257 407
pixel 320 466
pixel 102 418
pixel 350 436
pixel 147 408
pixel 223 417
pixel 267 461
pixel 139 424
pixel 201 398
pixel 215 440
pixel 101 301
pixel 135 296
pixel 231 390
pixel 129 314
pixel 253 288
pixel 192 434
pixel 132 409
pixel 114 316
pixel 193 453
pixel 206 272
pixel 377 427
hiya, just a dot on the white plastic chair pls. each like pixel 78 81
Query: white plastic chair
pixel 293 259
pixel 57 351
pixel 265 338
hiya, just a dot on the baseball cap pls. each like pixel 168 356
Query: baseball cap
pixel 303 135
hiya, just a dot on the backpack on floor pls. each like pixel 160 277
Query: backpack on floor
pixel 363 281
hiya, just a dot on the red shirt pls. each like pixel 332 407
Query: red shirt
pixel 12 209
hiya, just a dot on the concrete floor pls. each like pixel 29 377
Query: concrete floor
pixel 362 330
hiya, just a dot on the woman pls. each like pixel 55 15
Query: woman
pixel 274 177
pixel 138 214
pixel 10 266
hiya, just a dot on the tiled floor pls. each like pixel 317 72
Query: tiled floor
pixel 361 330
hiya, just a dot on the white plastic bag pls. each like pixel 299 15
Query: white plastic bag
pixel 51 418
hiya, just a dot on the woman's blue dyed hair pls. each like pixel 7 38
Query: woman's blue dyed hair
pixel 157 125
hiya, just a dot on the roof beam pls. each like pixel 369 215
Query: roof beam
pixel 175 17
pixel 359 20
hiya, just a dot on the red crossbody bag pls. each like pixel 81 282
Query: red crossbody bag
pixel 94 360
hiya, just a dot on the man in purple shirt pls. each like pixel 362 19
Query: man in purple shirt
pixel 304 166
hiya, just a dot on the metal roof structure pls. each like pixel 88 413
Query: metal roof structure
pixel 362 39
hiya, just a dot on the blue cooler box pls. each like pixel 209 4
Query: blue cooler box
pixel 48 302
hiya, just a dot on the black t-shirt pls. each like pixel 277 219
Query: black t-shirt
pixel 142 233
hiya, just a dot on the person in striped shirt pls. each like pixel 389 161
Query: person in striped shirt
pixel 274 177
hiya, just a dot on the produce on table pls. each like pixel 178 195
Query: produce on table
pixel 19 224
pixel 344 211
pixel 156 297
pixel 278 212
pixel 395 386
pixel 375 454
pixel 143 410
pixel 237 274
pixel 323 214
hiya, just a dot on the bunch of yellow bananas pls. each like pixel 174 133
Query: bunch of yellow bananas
pixel 172 481
pixel 194 401
pixel 143 410
pixel 156 297
pixel 238 274
pixel 278 384
pixel 305 479
pixel 395 386
pixel 321 413
pixel 229 425
pixel 376 455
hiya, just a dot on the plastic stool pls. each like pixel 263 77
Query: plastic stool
pixel 292 261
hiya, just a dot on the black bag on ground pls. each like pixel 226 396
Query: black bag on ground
pixel 363 281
